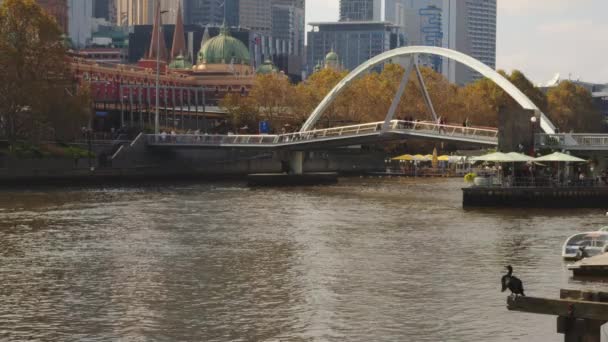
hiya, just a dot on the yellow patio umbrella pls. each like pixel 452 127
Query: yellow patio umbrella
pixel 419 157
pixel 434 160
pixel 405 157
pixel 444 158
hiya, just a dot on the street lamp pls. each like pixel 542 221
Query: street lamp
pixel 160 29
pixel 533 121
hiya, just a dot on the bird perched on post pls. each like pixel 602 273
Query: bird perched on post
pixel 511 282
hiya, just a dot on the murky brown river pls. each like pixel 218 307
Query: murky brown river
pixel 366 260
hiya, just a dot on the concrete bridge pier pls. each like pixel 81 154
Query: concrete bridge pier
pixel 296 162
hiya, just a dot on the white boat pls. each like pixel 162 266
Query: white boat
pixel 595 243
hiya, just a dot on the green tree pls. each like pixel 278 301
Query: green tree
pixel 570 107
pixel 37 94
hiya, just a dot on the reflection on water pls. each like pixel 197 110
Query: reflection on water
pixel 366 260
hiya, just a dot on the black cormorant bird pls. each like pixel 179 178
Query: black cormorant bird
pixel 582 253
pixel 511 282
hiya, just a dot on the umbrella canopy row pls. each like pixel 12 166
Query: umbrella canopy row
pixel 419 157
pixel 515 157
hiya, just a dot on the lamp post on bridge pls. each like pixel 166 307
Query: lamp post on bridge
pixel 533 121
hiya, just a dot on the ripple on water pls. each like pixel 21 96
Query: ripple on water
pixel 365 260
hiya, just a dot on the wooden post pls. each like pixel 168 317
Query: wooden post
pixel 581 314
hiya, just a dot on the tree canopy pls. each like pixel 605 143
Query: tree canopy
pixel 369 97
pixel 37 96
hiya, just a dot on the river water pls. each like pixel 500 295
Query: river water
pixel 365 260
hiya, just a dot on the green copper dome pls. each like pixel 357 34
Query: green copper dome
pixel 223 49
pixel 267 68
pixel 331 57
pixel 180 63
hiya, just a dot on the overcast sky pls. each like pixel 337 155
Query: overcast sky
pixel 539 37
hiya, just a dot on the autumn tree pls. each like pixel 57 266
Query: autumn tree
pixel 241 111
pixel 37 95
pixel 570 107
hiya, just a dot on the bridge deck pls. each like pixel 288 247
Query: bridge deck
pixel 337 136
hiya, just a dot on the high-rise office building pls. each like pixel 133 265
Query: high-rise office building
pixel 211 12
pixel 466 26
pixel 103 8
pixel 360 10
pixel 141 12
pixel 80 21
pixel 288 33
pixel 354 42
pixel 289 24
pixel 470 27
pixel 256 15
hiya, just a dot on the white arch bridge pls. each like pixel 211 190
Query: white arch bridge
pixel 390 129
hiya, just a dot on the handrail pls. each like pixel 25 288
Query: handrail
pixel 572 140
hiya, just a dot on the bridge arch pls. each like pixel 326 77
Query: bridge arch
pixel 469 61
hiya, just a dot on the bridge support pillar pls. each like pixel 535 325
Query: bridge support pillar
pixel 296 162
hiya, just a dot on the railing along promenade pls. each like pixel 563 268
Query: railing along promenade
pixel 573 141
pixel 483 135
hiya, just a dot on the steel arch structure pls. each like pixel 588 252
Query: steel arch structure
pixel 412 51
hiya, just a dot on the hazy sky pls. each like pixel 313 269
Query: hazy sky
pixel 539 37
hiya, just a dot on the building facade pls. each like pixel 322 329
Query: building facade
pixel 288 33
pixel 360 10
pixel 471 29
pixel 141 12
pixel 80 22
pixel 59 10
pixel 354 42
pixel 211 12
pixel 103 8
pixel 256 15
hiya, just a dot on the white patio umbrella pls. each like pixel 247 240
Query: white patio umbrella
pixel 498 157
pixel 519 157
pixel 560 157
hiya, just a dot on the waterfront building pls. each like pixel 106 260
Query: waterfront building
pixel 360 10
pixel 354 42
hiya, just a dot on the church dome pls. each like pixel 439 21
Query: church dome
pixel 267 68
pixel 223 49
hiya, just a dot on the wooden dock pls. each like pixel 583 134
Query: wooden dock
pixel 580 314
pixel 596 266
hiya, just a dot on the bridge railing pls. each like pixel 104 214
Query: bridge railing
pixel 428 128
pixel 206 139
pixel 579 140
pixel 447 130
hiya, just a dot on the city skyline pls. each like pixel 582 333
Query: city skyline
pixel 531 36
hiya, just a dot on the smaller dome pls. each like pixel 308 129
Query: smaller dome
pixel 180 63
pixel 332 57
pixel 267 68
